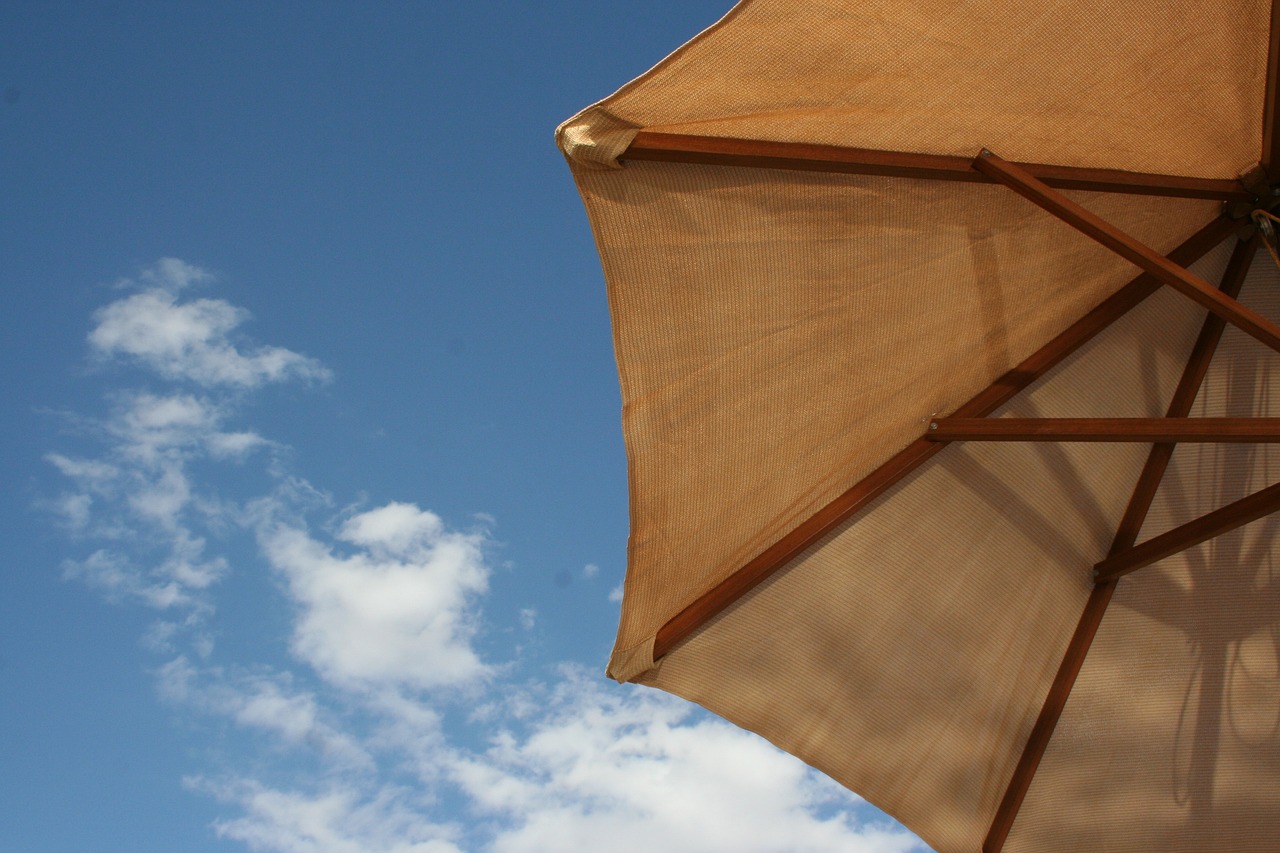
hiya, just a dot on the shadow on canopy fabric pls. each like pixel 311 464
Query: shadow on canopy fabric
pixel 897 409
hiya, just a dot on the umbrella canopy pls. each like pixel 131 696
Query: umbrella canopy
pixel 912 303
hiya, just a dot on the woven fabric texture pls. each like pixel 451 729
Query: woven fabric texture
pixel 781 334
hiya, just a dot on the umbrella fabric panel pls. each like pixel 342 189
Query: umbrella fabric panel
pixel 1123 85
pixel 780 334
pixel 1171 739
pixel 908 654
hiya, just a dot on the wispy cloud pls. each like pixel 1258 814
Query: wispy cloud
pixel 190 340
pixel 137 497
pixel 382 726
pixel 336 820
pixel 627 769
pixel 264 701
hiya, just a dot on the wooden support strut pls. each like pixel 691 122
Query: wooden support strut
pixel 1126 534
pixel 719 597
pixel 1092 225
pixel 1192 533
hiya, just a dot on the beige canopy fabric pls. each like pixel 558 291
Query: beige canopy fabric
pixel 794 313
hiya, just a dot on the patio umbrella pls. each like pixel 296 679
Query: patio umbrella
pixel 927 326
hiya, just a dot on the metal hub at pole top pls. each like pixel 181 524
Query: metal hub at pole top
pixel 1260 214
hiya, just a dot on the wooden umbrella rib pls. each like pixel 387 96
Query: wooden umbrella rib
pixel 1090 224
pixel 1126 534
pixel 719 597
pixel 1056 699
pixel 1203 430
pixel 1184 397
pixel 797 156
pixel 1192 533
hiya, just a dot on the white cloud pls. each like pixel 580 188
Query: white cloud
pixel 234 445
pixel 191 340
pixel 76 510
pixel 626 769
pixel 339 819
pixel 266 702
pixel 137 493
pixel 119 579
pixel 187 564
pixel 150 428
pixel 89 471
pixel 397 529
pixel 108 570
pixel 575 765
pixel 162 498
pixel 386 611
pixel 615 594
pixel 94 479
pixel 399 612
pixel 139 496
pixel 170 274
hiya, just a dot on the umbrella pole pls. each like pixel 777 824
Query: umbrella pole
pixel 1126 535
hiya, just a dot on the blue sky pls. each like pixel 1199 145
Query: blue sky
pixel 316 500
